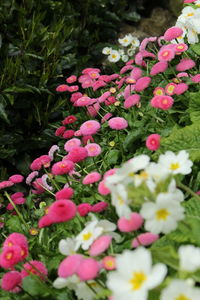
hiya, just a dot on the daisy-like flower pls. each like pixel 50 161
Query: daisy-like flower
pixel 106 50
pixel 135 275
pixel 114 56
pixel 119 198
pixel 163 215
pixel 88 235
pixel 67 246
pixel 175 163
pixel 180 290
pixel 189 256
pixel 126 40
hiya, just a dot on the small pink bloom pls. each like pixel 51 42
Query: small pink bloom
pixel 62 88
pixel 158 91
pixel 75 96
pixel 37 186
pixel 6 183
pixel 77 133
pixel 182 74
pixel 130 80
pixel 169 89
pixel 133 223
pixel 142 83
pixel 104 96
pixel 31 176
pixel 162 102
pixel 102 189
pixel 181 88
pixel 69 120
pixel 45 221
pixel 68 134
pixel 62 211
pixel 88 70
pixel 185 64
pixel 16 178
pixel 15 238
pixel 189 1
pixel 88 269
pixel 69 145
pixel 77 154
pixel 98 84
pixel 159 67
pixel 118 123
pixel 34 267
pixel 109 263
pixel 10 256
pixel 172 33
pixel 110 172
pixel 60 130
pixel 126 68
pixel 11 281
pixel 62 167
pixel 120 83
pixel 106 117
pixel 110 100
pixel 73 88
pixel 99 207
pixel 130 62
pixel 153 142
pixel 93 149
pixel 114 76
pixel 100 245
pixel 71 79
pixel 196 78
pixel 131 101
pixel 42 161
pixel 91 177
pixel 145 239
pixel 179 48
pixel 69 265
pixel 65 193
pixel 90 127
pixel 166 53
pixel 86 139
pixel 83 209
pixel 93 110
pixel 83 101
pixel 136 73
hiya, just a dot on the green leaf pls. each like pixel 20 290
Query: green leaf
pixel 14 224
pixel 34 286
pixel 192 207
pixel 196 48
pixel 187 138
pixel 166 255
pixel 113 156
pixel 194 107
pixel 3 114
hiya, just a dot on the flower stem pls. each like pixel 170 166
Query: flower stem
pixel 187 189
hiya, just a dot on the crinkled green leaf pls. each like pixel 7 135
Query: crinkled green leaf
pixel 196 48
pixel 194 107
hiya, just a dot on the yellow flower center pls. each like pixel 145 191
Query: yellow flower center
pixel 171 88
pixel 144 174
pixel 137 280
pixel 112 90
pixel 182 297
pixel 190 14
pixel 121 201
pixel 162 214
pixel 165 53
pixel 174 166
pixel 9 255
pixel 159 92
pixel 10 244
pixel 125 40
pixel 109 264
pixel 87 236
pixel 114 55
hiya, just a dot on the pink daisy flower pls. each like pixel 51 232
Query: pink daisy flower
pixel 62 88
pixel 169 89
pixel 100 245
pixel 69 145
pixel 99 207
pixel 88 269
pixel 83 209
pixel 185 64
pixel 172 33
pixel 69 265
pixel 71 79
pixel 91 177
pixel 118 123
pixel 77 154
pixel 34 267
pixel 158 91
pixel 133 223
pixel 93 149
pixel 166 53
pixel 145 239
pixel 159 67
pixel 16 178
pixel 62 211
pixel 90 127
pixel 109 263
pixel 142 83
pixel 11 281
pixel 62 167
pixel 131 101
pixel 153 142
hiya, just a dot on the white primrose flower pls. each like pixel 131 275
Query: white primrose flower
pixel 114 56
pixel 197 3
pixel 180 290
pixel 135 275
pixel 135 42
pixel 119 198
pixel 126 40
pixel 88 235
pixel 125 58
pixel 67 246
pixel 70 282
pixel 163 215
pixel 106 50
pixel 189 256
pixel 175 163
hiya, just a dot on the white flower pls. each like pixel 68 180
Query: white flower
pixel 180 290
pixel 126 40
pixel 67 246
pixel 130 51
pixel 135 42
pixel 120 201
pixel 189 258
pixel 114 56
pixel 121 51
pixel 87 236
pixel 70 282
pixel 135 275
pixel 106 50
pixel 175 163
pixel 125 58
pixel 162 216
pixel 197 3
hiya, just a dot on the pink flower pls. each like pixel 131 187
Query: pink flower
pixel 37 185
pixel 118 123
pixel 52 151
pixel 153 141
pixel 93 110
pixel 99 207
pixel 109 263
pixel 6 183
pixel 42 161
pixel 172 33
pixel 83 209
pixel 71 79
pixel 59 131
pixel 62 88
pixel 196 78
pixel 170 87
pixel 102 189
pixel 85 81
pixel 93 149
pixel 182 74
pixel 100 245
pixel 158 91
pixel 159 67
pixel 110 100
pixel 136 73
pixel 34 267
pixel 86 139
pixel 89 70
pixel 88 269
pixel 98 84
pixel 62 211
pixel 69 265
pixel 62 167
pixel 131 101
pixel 104 96
pixel 166 53
pixel 189 1
pixel 11 281
pixel 185 64
pixel 16 178
pixel 65 193
pixel 145 239
pixel 77 154
pixel 77 133
pixel 181 88
pixel 126 68
pixel 15 238
pixel 110 172
pixel 73 88
pixel 31 176
pixel 90 127
pixel 45 221
pixel 142 83
pixel 133 223
pixel 162 102
pixel 84 101
pixel 68 134
pixel 10 256
pixel 75 96
pixel 91 177
pixel 179 48
pixel 69 120
pixel 69 145
pixel 106 117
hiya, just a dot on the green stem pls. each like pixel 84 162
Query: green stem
pixel 17 211
pixel 187 189
pixel 46 189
